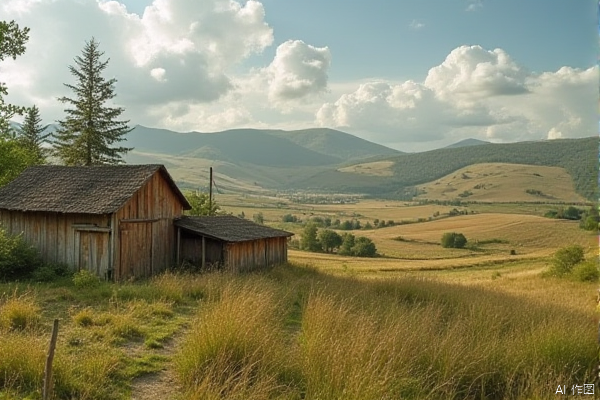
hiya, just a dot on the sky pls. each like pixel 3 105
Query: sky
pixel 409 74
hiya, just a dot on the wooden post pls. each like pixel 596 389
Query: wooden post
pixel 203 252
pixel 210 195
pixel 48 384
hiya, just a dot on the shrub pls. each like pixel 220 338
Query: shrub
pixel 85 279
pixel 565 259
pixel 586 271
pixel 590 223
pixel 364 247
pixel 329 240
pixel 258 218
pixel 17 258
pixel 289 218
pixel 453 240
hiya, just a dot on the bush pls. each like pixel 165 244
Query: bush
pixel 364 247
pixel 453 240
pixel 586 271
pixel 17 258
pixel 565 259
pixel 85 279
pixel 289 218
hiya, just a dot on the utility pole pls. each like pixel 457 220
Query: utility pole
pixel 210 192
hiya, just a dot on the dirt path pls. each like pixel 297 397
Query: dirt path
pixel 155 386
pixel 161 385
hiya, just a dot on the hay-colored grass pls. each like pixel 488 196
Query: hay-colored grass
pixel 500 182
pixel 376 168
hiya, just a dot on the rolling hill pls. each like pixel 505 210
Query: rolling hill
pixel 498 182
pixel 271 148
pixel 467 143
pixel 579 157
pixel 328 160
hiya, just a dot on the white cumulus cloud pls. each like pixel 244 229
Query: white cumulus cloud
pixel 474 93
pixel 192 45
pixel 297 71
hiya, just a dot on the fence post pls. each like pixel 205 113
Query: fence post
pixel 47 391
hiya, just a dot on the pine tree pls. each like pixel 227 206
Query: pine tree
pixel 31 134
pixel 90 129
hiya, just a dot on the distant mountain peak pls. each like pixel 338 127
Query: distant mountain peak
pixel 467 143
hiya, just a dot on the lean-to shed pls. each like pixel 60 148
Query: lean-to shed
pixel 234 243
pixel 115 221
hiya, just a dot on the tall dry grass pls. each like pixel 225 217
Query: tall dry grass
pixel 237 346
pixel 405 338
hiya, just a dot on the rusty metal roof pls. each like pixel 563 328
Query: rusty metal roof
pixel 101 189
pixel 229 228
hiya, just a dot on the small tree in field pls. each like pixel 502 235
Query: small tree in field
pixel 329 240
pixel 89 132
pixel 309 240
pixel 454 240
pixel 565 259
pixel 347 244
pixel 364 247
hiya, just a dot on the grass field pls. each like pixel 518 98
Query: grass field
pixel 294 332
pixel 498 182
pixel 418 322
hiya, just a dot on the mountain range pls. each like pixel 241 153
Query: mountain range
pixel 321 159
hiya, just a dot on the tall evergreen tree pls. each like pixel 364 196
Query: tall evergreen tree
pixel 31 134
pixel 87 135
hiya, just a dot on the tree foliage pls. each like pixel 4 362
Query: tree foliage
pixel 12 44
pixel 566 258
pixel 364 247
pixel 347 244
pixel 454 240
pixel 14 158
pixel 308 239
pixel 329 240
pixel 87 135
pixel 31 134
pixel 201 204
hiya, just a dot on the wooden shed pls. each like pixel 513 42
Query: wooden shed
pixel 116 221
pixel 231 242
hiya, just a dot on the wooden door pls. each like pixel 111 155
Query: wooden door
pixel 93 252
pixel 135 250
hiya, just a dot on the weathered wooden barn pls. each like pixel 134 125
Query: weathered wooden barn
pixel 116 221
pixel 233 243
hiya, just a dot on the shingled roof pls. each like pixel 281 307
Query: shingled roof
pixel 101 189
pixel 229 228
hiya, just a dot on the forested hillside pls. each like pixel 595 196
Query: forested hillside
pixel 578 156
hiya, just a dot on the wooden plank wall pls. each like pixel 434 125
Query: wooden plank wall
pixel 250 255
pixel 52 234
pixel 154 200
